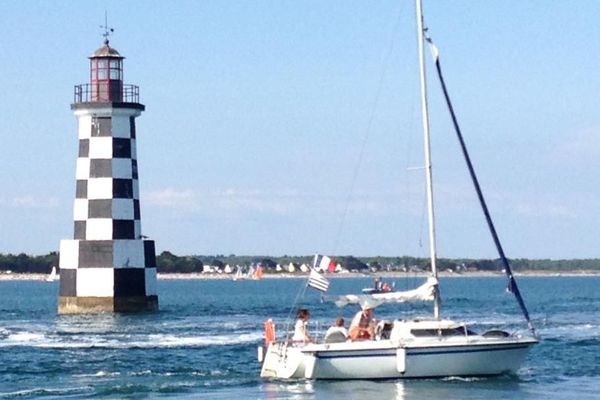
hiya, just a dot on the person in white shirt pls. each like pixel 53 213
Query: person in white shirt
pixel 337 332
pixel 300 331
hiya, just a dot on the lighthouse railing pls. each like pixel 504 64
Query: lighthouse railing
pixel 89 93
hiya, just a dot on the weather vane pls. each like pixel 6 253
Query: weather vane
pixel 107 30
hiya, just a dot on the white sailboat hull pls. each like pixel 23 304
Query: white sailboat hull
pixel 422 362
pixel 385 359
pixel 418 348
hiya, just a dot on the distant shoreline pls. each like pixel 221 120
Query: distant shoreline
pixel 443 274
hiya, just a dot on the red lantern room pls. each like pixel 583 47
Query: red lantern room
pixel 106 80
pixel 106 74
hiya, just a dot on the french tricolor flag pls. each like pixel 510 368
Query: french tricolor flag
pixel 323 263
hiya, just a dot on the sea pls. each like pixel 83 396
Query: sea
pixel 202 344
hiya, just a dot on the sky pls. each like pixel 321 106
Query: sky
pixel 293 127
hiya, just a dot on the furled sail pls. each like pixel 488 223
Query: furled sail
pixel 425 292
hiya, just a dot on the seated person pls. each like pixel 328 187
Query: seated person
pixel 300 331
pixel 363 325
pixel 336 333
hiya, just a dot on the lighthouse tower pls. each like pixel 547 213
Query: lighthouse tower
pixel 108 266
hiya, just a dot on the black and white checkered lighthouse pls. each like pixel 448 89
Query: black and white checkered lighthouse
pixel 108 266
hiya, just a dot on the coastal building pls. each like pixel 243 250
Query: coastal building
pixel 108 265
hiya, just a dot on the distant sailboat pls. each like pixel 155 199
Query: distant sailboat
pixel 239 275
pixel 258 273
pixel 53 275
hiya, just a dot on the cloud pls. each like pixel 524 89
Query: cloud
pixel 544 210
pixel 580 147
pixel 170 198
pixel 278 202
pixel 30 202
pixel 531 203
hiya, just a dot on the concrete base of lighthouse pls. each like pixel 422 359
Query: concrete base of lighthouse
pixel 92 305
pixel 107 276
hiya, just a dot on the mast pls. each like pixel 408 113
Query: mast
pixel 426 142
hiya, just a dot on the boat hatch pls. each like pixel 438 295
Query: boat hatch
pixel 460 331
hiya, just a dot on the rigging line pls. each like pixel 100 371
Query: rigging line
pixel 299 295
pixel 366 136
pixel 512 283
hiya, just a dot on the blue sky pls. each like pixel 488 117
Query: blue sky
pixel 258 113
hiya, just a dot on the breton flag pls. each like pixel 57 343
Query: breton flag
pixel 318 281
pixel 323 263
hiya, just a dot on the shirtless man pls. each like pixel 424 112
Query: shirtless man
pixel 363 325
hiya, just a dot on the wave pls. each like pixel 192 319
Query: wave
pixel 38 340
pixel 25 337
pixel 40 391
pixel 99 374
pixel 464 379
pixel 572 332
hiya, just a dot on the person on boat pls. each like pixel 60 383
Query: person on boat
pixel 377 283
pixel 337 332
pixel 363 324
pixel 301 335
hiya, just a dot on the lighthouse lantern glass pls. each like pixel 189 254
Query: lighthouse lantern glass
pixel 106 78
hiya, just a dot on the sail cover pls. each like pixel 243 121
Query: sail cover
pixel 425 292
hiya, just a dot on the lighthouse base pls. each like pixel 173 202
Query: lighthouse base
pixel 95 305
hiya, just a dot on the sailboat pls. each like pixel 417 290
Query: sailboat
pixel 239 275
pixel 409 348
pixel 258 273
pixel 53 275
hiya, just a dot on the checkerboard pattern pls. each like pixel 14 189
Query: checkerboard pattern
pixel 107 256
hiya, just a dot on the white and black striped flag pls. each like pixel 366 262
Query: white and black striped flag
pixel 318 281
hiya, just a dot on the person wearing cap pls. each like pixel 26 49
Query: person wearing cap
pixel 363 324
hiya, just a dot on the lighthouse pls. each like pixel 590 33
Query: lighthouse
pixel 108 266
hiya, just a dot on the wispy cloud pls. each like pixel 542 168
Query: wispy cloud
pixel 279 202
pixel 29 202
pixel 452 199
pixel 530 203
pixel 545 210
pixel 171 198
pixel 580 147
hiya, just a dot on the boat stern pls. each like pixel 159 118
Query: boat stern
pixel 282 362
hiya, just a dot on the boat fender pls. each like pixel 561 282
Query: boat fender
pixel 401 360
pixel 260 354
pixel 269 332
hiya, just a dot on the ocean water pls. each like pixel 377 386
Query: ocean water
pixel 202 343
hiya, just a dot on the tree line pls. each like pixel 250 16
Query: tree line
pixel 168 262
